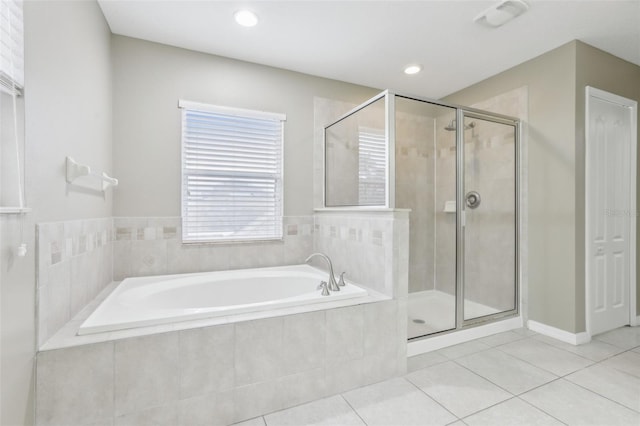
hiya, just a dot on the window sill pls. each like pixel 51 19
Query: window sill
pixel 232 242
pixel 360 209
pixel 15 210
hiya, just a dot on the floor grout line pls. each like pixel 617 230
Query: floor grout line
pixel 604 396
pixel 538 408
pixel 431 398
pixel 487 408
pixel 486 378
pixel 545 369
pixel 353 409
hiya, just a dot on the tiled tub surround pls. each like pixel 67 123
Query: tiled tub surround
pixel 227 369
pixel 77 259
pixel 152 246
pixel 74 264
pixel 372 246
pixel 224 373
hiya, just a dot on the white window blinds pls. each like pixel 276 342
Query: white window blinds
pixel 231 174
pixel 372 169
pixel 11 46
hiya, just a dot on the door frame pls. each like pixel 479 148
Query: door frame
pixel 592 92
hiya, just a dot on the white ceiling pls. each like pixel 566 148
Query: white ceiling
pixel 370 42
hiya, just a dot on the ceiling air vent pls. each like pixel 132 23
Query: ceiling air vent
pixel 501 13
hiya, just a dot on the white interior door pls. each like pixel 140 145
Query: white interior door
pixel 610 161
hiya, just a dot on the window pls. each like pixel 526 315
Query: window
pixel 372 169
pixel 231 174
pixel 11 46
pixel 12 196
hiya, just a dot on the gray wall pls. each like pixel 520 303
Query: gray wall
pixel 149 79
pixel 556 82
pixel 551 83
pixel 68 101
pixel 604 71
pixel 67 112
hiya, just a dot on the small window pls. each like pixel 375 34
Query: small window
pixel 372 167
pixel 11 110
pixel 11 46
pixel 231 174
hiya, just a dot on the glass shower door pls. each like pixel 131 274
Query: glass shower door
pixel 489 221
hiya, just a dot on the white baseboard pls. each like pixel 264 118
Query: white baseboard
pixel 558 334
pixel 636 322
pixel 438 342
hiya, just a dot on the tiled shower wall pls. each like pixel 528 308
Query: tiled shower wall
pixel 74 264
pixel 415 190
pixel 445 221
pixel 489 155
pixel 514 103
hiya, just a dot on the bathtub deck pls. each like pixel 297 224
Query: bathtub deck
pixel 68 337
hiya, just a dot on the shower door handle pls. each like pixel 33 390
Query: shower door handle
pixel 472 199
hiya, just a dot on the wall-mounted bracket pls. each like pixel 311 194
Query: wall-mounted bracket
pixel 76 170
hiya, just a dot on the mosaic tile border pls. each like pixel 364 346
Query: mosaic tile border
pixel 74 263
pixel 169 228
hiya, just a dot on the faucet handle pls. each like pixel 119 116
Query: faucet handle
pixel 323 286
pixel 341 282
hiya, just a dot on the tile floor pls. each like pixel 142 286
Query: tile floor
pixel 512 378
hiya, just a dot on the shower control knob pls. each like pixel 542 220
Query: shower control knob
pixel 472 199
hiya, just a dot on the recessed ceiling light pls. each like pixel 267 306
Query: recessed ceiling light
pixel 412 69
pixel 246 18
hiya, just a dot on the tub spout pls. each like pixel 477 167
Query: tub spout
pixel 333 285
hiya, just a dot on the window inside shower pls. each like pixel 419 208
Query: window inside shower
pixel 356 153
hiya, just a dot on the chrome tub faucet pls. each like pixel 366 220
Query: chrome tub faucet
pixel 333 285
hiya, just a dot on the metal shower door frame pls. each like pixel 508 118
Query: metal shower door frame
pixel 461 114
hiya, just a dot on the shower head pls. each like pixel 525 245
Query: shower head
pixel 452 126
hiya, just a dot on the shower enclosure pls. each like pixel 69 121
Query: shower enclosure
pixel 456 170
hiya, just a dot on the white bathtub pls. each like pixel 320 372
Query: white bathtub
pixel 165 299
